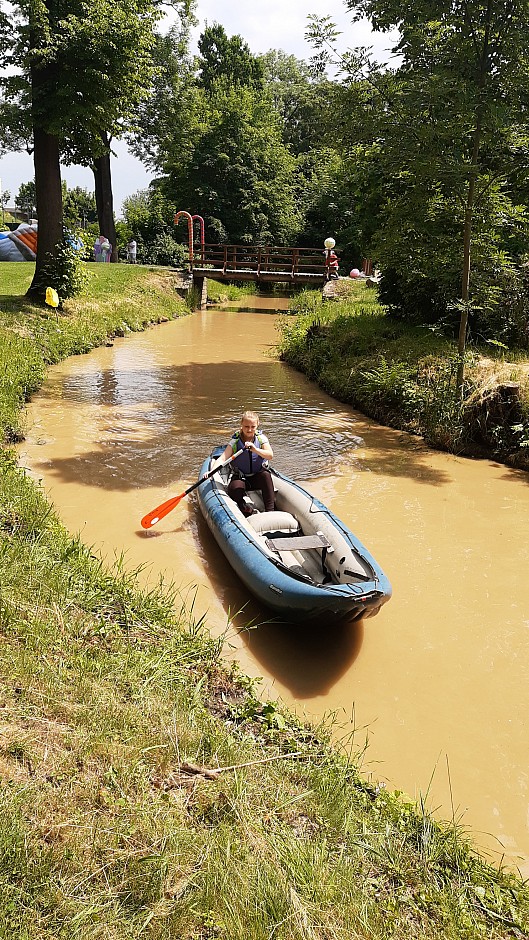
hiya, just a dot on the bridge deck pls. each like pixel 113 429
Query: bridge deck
pixel 243 274
pixel 264 263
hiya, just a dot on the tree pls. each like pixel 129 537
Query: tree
pixel 165 111
pixel 456 122
pixel 149 219
pixel 236 172
pixel 26 195
pixel 215 137
pixel 83 72
pixel 227 58
pixel 80 207
pixel 305 102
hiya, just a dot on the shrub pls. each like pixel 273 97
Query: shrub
pixel 163 250
pixel 64 271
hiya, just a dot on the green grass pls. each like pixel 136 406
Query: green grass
pixel 405 376
pixel 220 292
pixel 108 691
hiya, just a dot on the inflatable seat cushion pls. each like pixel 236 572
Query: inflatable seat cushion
pixel 273 522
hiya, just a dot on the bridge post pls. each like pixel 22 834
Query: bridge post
pixel 200 285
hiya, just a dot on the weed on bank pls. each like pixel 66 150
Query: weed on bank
pixel 145 790
pixel 405 376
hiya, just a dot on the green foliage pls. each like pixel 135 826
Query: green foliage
pixel 79 207
pixel 226 59
pixel 422 271
pixel 149 219
pixel 390 384
pixel 163 249
pixel 90 51
pixel 26 197
pixel 64 271
pixel 403 376
pixel 503 317
pixel 235 170
pixel 450 124
pixel 305 103
pixel 165 109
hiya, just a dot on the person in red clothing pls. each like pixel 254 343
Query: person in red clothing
pixel 332 263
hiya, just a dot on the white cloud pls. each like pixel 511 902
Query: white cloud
pixel 281 24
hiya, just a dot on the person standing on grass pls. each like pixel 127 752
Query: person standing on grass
pixel 102 249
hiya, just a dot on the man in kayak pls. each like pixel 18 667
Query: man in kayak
pixel 250 470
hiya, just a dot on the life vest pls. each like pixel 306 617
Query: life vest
pixel 249 463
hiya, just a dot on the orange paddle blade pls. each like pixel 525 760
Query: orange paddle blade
pixel 155 515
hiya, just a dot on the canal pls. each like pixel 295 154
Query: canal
pixel 437 684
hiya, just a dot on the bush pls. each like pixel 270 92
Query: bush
pixel 504 316
pixel 418 299
pixel 163 250
pixel 64 271
pixel 500 312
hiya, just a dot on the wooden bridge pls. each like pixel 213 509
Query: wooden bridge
pixel 245 263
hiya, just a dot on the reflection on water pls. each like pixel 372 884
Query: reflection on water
pixel 181 412
pixel 268 304
pixel 440 677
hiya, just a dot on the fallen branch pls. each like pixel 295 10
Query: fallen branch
pixel 262 760
pixel 186 771
pixel 196 769
pixel 212 774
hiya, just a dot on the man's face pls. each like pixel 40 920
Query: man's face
pixel 248 429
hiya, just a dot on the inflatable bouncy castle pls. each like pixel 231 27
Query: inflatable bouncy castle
pixel 20 245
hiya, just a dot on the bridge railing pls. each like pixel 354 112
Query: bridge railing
pixel 261 260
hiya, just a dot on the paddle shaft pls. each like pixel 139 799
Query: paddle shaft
pixel 155 515
pixel 211 472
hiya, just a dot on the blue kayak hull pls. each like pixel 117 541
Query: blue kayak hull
pixel 274 585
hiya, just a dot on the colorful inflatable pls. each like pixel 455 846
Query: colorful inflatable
pixel 20 245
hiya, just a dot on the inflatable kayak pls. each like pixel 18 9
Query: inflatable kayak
pixel 300 560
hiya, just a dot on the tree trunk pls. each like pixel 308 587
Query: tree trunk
pixel 48 191
pixel 484 67
pixel 465 285
pixel 104 199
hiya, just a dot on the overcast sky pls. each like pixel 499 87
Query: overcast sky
pixel 278 24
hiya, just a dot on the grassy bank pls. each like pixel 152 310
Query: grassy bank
pixel 116 708
pixel 405 376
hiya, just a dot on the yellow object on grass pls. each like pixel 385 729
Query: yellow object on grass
pixel 52 297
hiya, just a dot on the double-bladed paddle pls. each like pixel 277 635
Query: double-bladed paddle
pixel 156 514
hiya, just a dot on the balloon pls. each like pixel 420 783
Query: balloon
pixel 354 273
pixel 329 243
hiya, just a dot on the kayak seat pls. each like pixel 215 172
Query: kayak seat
pixel 274 522
pixel 284 538
pixel 297 543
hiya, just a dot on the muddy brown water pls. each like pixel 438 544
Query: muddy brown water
pixel 438 682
